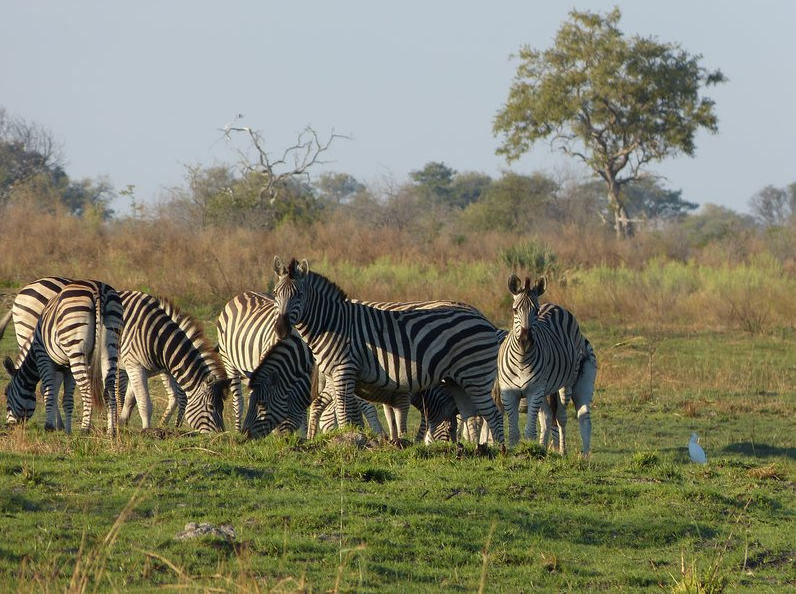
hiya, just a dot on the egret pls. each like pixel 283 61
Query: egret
pixel 695 450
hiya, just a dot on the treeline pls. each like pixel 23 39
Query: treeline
pixel 439 234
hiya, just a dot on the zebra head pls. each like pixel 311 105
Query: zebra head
pixel 205 409
pixel 264 391
pixel 288 293
pixel 525 307
pixel 20 397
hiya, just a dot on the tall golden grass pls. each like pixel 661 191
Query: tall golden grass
pixel 651 280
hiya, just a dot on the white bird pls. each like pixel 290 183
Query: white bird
pixel 695 450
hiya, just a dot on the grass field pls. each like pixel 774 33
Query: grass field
pixel 91 513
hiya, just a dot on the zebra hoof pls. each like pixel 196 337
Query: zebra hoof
pixel 459 450
pixel 483 450
pixel 49 427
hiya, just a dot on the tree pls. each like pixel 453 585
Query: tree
pixel 514 203
pixel 647 199
pixel 337 188
pixel 27 150
pixel 774 207
pixel 613 102
pixel 435 178
pixel 274 173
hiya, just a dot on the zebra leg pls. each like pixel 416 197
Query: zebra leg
pixel 389 417
pixel 68 400
pixel 396 414
pixel 47 374
pixel 126 397
pixel 561 419
pixel 371 416
pixel 138 378
pixel 320 409
pixel 346 409
pixel 510 397
pixel 582 393
pixel 537 403
pixel 236 387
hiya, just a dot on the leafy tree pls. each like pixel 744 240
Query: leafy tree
pixel 715 223
pixel 436 179
pixel 337 188
pixel 31 171
pixel 613 102
pixel 774 207
pixel 646 199
pixel 468 187
pixel 514 203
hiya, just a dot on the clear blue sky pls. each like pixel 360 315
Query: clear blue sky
pixel 138 90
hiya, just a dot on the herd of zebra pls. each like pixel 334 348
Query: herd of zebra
pixel 311 357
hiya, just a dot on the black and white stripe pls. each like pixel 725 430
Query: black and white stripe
pixel 401 351
pixel 78 331
pixel 277 371
pixel 158 338
pixel 541 356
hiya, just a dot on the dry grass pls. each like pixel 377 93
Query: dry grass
pixel 633 284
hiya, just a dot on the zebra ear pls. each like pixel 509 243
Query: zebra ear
pixel 9 365
pixel 279 266
pixel 302 269
pixel 540 285
pixel 514 284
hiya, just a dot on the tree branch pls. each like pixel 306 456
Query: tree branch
pixel 295 161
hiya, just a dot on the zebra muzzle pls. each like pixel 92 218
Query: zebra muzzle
pixel 523 338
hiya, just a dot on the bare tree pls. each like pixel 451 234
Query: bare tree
pixel 294 161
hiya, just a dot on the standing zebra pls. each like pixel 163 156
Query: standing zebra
pixel 396 404
pixel 278 371
pixel 402 351
pixel 78 330
pixel 544 354
pixel 157 338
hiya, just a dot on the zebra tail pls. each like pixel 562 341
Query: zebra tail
pixel 314 389
pixel 96 355
pixel 4 322
pixel 496 397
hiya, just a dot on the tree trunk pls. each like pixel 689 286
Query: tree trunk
pixel 622 224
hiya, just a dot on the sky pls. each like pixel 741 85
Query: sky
pixel 139 91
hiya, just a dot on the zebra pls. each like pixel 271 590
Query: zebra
pixel 396 404
pixel 157 338
pixel 544 354
pixel 401 351
pixel 278 371
pixel 78 330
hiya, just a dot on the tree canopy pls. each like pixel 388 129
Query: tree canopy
pixel 616 103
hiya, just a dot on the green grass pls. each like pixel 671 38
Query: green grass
pixel 328 516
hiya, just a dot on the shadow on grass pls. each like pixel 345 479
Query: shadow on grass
pixel 760 450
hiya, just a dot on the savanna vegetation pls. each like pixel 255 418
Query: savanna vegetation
pixel 692 316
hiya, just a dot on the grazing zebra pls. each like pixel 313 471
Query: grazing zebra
pixel 278 371
pixel 542 355
pixel 157 338
pixel 401 351
pixel 78 330
pixel 160 338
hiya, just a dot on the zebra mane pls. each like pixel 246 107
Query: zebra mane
pixel 195 333
pixel 317 281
